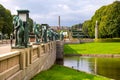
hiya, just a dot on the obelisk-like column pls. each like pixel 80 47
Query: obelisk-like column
pixel 96 30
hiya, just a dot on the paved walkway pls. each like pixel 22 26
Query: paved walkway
pixel 5 46
pixel 5 49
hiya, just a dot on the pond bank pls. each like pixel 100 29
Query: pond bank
pixel 95 55
pixel 58 72
pixel 93 48
pixel 104 66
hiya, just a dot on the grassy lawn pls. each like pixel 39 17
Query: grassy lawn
pixel 64 73
pixel 93 48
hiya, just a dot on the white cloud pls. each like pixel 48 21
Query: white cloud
pixel 64 7
pixel 10 5
pixel 71 11
pixel 4 1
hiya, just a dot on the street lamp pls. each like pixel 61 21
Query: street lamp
pixel 24 16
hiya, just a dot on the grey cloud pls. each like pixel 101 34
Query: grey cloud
pixel 47 11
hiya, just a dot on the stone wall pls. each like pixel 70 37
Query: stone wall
pixel 59 52
pixel 23 64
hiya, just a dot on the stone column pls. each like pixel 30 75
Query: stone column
pixel 24 16
pixel 59 21
pixel 96 30
pixel 59 52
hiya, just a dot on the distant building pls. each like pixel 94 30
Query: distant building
pixel 76 31
pixel 60 28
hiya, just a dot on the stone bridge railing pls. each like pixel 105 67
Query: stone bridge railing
pixel 23 64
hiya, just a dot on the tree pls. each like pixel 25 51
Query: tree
pixel 2 14
pixel 5 21
pixel 8 23
pixel 30 23
pixel 108 18
pixel 86 28
pixel 76 26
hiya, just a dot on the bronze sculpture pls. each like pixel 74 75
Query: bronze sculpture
pixel 36 30
pixel 19 32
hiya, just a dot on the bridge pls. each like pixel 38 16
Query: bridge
pixel 23 64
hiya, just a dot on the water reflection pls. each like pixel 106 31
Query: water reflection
pixel 108 67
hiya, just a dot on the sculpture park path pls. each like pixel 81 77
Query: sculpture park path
pixel 5 48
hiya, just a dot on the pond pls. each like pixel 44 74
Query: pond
pixel 108 67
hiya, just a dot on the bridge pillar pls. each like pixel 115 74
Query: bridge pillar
pixel 59 52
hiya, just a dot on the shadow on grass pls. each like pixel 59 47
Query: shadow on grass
pixel 75 50
pixel 65 73
pixel 69 50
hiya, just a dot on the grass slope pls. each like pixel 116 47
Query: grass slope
pixel 93 48
pixel 63 73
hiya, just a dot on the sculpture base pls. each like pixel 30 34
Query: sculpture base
pixel 18 47
pixel 21 47
pixel 36 43
pixel 29 45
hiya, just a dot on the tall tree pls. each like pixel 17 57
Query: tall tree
pixel 86 28
pixel 2 14
pixel 108 18
pixel 76 26
pixel 30 23
pixel 5 21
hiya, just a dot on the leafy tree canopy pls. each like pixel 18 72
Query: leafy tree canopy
pixel 30 24
pixel 76 26
pixel 108 18
pixel 5 20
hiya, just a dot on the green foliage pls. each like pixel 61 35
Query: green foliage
pixel 93 48
pixel 108 18
pixel 30 25
pixel 108 40
pixel 76 26
pixel 77 31
pixel 5 20
pixel 63 73
pixel 86 28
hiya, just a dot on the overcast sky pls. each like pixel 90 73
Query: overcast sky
pixel 47 11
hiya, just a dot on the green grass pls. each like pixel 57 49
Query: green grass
pixel 108 40
pixel 93 48
pixel 63 73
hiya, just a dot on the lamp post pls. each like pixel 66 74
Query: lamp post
pixel 24 16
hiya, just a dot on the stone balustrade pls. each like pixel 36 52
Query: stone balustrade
pixel 23 64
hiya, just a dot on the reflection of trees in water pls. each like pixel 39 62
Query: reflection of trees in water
pixel 85 64
pixel 108 67
pixel 95 66
pixel 89 64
